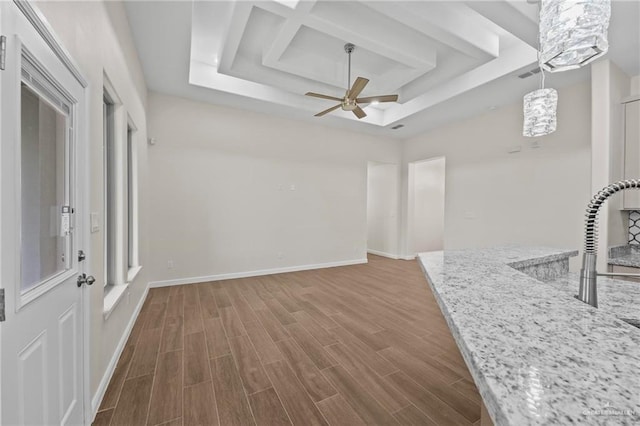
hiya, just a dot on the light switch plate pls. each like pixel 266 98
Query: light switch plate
pixel 95 222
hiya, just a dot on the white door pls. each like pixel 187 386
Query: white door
pixel 42 110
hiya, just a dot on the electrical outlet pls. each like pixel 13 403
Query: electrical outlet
pixel 170 264
pixel 292 187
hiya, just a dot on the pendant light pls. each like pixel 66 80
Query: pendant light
pixel 572 32
pixel 540 112
pixel 540 107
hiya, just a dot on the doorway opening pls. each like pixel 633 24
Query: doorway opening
pixel 426 203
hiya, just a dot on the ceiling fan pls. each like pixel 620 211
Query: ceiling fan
pixel 351 100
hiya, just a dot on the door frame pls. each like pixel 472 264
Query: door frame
pixel 82 159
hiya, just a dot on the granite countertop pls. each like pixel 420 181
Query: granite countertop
pixel 537 354
pixel 628 255
pixel 616 297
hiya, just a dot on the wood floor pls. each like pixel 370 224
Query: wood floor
pixel 355 345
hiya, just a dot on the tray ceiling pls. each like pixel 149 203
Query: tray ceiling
pixel 264 55
pixel 276 51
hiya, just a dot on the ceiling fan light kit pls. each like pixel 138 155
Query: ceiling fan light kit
pixel 351 101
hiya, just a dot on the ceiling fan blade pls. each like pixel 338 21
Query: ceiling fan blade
pixel 385 98
pixel 318 95
pixel 359 112
pixel 357 87
pixel 327 111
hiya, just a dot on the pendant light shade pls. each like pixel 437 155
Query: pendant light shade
pixel 540 112
pixel 572 32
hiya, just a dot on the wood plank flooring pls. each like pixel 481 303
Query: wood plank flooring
pixel 355 345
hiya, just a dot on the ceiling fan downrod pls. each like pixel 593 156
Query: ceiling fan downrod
pixel 349 47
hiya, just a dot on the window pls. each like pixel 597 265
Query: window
pixel 131 218
pixel 110 207
pixel 120 198
pixel 46 188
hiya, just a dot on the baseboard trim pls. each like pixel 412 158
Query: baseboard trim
pixel 256 273
pixel 106 378
pixel 390 255
pixel 383 254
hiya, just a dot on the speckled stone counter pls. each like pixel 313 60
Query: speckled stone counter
pixel 628 255
pixel 537 355
pixel 616 297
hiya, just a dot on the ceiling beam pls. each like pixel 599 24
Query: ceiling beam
pixel 235 30
pixel 511 18
pixel 288 31
pixel 510 60
pixel 447 23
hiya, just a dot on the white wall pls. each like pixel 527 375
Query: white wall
pixel 97 36
pixel 221 193
pixel 382 208
pixel 427 230
pixel 609 86
pixel 635 85
pixel 536 196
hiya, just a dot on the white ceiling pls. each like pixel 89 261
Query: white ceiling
pixel 446 59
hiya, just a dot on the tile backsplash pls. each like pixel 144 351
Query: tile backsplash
pixel 634 227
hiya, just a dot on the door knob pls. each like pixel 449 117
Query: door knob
pixel 85 279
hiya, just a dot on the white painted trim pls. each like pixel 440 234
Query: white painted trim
pixel 383 254
pixel 133 273
pixel 113 296
pixel 43 28
pixel 392 256
pixel 257 273
pixel 106 378
pixel 632 98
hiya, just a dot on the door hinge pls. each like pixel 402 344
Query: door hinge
pixel 2 318
pixel 3 51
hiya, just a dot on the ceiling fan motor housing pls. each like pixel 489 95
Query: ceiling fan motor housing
pixel 348 104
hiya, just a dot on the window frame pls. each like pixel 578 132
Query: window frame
pixel 45 87
pixel 116 284
pixel 131 197
pixel 109 190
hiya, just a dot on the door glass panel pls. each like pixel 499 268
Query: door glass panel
pixel 44 190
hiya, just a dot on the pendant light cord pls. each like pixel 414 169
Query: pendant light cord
pixel 539 44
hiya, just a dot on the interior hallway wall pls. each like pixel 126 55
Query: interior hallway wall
pixel 98 38
pixel 242 192
pixel 635 85
pixel 428 205
pixel 382 208
pixel 534 196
